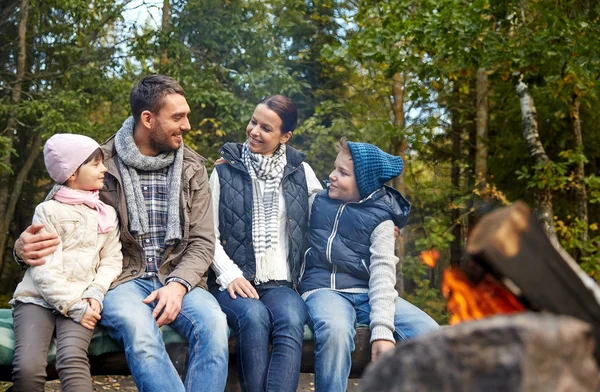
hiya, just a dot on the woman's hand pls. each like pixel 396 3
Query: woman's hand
pixel 379 347
pixel 243 288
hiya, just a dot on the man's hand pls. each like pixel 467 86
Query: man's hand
pixel 94 304
pixel 379 347
pixel 169 299
pixel 90 318
pixel 32 245
pixel 243 287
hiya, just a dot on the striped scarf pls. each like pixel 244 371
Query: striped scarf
pixel 265 206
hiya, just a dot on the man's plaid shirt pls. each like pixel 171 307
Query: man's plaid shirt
pixel 156 196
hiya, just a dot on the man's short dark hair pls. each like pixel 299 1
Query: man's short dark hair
pixel 149 94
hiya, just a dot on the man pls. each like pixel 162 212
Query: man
pixel 160 190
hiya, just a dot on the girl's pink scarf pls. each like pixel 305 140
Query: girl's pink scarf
pixel 89 198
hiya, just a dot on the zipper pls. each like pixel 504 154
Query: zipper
pixel 365 265
pixel 288 227
pixel 303 266
pixel 333 234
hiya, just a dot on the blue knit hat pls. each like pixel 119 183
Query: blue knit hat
pixel 373 167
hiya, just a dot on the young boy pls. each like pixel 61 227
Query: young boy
pixel 350 267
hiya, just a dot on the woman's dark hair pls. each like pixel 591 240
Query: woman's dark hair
pixel 285 109
pixel 149 94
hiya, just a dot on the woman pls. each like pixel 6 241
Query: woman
pixel 260 200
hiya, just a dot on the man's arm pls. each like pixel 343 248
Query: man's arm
pixel 34 244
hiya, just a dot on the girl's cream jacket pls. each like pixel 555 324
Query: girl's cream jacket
pixel 84 257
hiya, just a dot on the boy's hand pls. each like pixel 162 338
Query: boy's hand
pixel 396 232
pixel 379 347
pixel 90 318
pixel 220 161
pixel 94 304
pixel 243 287
pixel 33 245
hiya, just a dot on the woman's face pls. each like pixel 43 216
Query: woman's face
pixel 264 131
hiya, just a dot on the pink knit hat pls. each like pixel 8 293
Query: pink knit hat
pixel 65 152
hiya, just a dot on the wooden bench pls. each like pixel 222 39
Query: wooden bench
pixel 107 358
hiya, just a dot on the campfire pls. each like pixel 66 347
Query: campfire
pixel 524 317
pixel 512 267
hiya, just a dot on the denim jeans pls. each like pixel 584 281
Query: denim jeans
pixel 333 317
pixel 129 322
pixel 279 315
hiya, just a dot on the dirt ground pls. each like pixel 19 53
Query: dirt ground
pixel 124 383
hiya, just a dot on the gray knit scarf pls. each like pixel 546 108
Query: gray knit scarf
pixel 265 206
pixel 130 160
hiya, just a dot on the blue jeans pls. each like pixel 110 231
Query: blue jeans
pixel 129 322
pixel 333 317
pixel 279 315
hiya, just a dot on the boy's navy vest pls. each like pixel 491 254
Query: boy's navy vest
pixel 338 242
pixel 235 210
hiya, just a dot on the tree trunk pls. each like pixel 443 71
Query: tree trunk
pixel 16 193
pixel 11 128
pixel 398 144
pixel 580 190
pixel 166 25
pixel 542 197
pixel 455 137
pixel 482 121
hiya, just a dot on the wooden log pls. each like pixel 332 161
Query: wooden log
pixel 510 244
pixel 115 363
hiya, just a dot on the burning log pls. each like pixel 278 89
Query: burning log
pixel 510 245
pixel 523 352
pixel 545 344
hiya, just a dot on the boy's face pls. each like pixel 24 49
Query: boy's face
pixel 89 177
pixel 342 181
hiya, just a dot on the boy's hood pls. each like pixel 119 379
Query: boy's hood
pixel 387 198
pixel 396 204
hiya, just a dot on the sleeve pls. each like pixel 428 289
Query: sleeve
pixel 49 278
pixel 111 262
pixel 312 184
pixel 198 254
pixel 382 294
pixel 225 268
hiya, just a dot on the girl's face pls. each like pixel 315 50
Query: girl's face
pixel 264 131
pixel 89 176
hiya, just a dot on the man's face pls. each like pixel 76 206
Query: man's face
pixel 170 124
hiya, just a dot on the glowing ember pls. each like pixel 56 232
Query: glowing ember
pixel 469 301
pixel 430 257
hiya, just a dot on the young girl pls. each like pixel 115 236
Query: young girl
pixel 66 292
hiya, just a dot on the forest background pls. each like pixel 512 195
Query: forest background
pixel 488 101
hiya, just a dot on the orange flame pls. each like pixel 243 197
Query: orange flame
pixel 430 257
pixel 469 301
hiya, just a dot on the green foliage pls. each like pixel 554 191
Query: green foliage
pixel 337 60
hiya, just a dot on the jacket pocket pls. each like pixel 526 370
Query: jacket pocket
pixel 68 231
